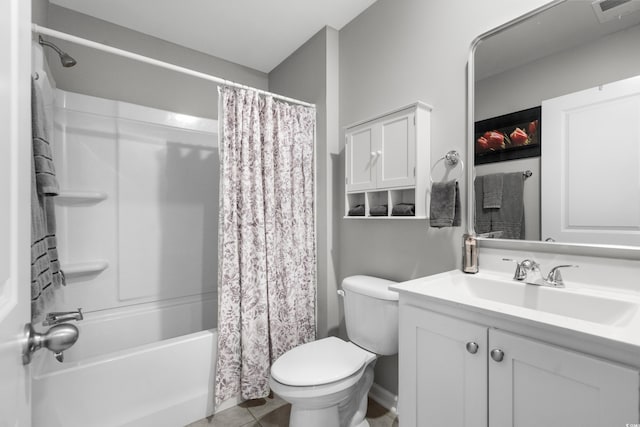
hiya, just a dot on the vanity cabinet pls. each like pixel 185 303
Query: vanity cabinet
pixel 442 383
pixel 387 160
pixel 458 373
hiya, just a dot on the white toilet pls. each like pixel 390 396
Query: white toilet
pixel 327 381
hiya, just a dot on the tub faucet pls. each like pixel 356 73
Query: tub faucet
pixel 58 317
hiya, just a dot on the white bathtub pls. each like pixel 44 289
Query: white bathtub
pixel 168 383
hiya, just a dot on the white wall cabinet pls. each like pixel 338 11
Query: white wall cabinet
pixel 458 373
pixel 387 160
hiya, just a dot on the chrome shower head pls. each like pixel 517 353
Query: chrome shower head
pixel 66 59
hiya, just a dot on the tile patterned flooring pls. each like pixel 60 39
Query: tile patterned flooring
pixel 274 412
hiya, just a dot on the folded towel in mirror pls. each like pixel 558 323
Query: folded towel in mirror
pixel 445 204
pixel 380 210
pixel 492 191
pixel 404 209
pixel 357 210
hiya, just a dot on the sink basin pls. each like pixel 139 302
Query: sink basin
pixel 571 303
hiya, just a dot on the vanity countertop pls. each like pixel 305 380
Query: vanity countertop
pixel 605 323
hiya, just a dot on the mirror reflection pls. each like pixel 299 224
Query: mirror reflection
pixel 557 98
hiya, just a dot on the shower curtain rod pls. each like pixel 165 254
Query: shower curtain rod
pixel 121 52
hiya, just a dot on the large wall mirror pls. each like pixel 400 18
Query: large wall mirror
pixel 555 127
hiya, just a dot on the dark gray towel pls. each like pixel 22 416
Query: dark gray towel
pixel 492 191
pixel 510 217
pixel 445 204
pixel 381 210
pixel 45 266
pixel 357 210
pixel 404 209
pixel 483 216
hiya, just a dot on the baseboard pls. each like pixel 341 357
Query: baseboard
pixel 384 397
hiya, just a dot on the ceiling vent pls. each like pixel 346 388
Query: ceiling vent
pixel 606 10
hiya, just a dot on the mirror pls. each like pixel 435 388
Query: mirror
pixel 549 58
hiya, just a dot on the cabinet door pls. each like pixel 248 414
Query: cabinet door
pixel 361 156
pixel 397 158
pixel 441 382
pixel 539 384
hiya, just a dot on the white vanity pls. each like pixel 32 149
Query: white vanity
pixel 485 350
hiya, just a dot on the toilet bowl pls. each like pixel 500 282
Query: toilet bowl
pixel 327 381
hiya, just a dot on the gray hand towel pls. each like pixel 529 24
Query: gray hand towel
pixel 381 210
pixel 483 216
pixel 510 217
pixel 404 209
pixel 45 266
pixel 492 191
pixel 445 204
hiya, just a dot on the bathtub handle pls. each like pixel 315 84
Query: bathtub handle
pixel 57 339
pixel 58 317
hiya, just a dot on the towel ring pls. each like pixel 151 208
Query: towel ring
pixel 452 158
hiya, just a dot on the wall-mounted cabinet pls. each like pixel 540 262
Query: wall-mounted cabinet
pixel 387 164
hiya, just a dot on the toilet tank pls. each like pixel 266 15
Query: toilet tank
pixel 371 314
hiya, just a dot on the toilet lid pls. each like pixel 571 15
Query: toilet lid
pixel 319 362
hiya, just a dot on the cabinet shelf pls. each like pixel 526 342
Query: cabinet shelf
pixel 78 269
pixel 80 197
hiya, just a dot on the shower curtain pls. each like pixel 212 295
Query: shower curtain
pixel 267 255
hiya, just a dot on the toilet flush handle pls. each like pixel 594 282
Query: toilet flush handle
pixel 340 292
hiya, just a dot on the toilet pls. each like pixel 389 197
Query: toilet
pixel 327 381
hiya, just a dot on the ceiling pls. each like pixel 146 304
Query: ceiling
pixel 559 28
pixel 258 34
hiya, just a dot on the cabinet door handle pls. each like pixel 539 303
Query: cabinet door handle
pixel 472 347
pixel 373 154
pixel 379 152
pixel 497 354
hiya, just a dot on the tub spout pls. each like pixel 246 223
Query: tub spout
pixel 58 317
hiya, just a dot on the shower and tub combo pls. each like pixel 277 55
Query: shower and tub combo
pixel 137 234
pixel 137 237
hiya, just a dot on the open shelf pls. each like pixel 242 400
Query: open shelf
pixel 390 198
pixel 78 269
pixel 80 197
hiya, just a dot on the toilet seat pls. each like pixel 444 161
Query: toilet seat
pixel 320 362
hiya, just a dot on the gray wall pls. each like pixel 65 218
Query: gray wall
pixel 113 77
pixel 39 10
pixel 397 52
pixel 311 74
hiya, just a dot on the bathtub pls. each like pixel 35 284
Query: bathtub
pixel 168 383
pixel 149 373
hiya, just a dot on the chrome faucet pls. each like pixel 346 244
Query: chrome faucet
pixel 58 317
pixel 529 267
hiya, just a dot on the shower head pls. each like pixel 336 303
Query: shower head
pixel 65 58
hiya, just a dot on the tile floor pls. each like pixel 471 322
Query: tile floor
pixel 274 412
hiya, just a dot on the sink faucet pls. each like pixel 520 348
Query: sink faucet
pixel 529 267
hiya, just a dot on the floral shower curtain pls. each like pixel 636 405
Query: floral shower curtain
pixel 267 255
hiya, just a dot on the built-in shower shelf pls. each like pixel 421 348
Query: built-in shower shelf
pixel 84 268
pixel 80 197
